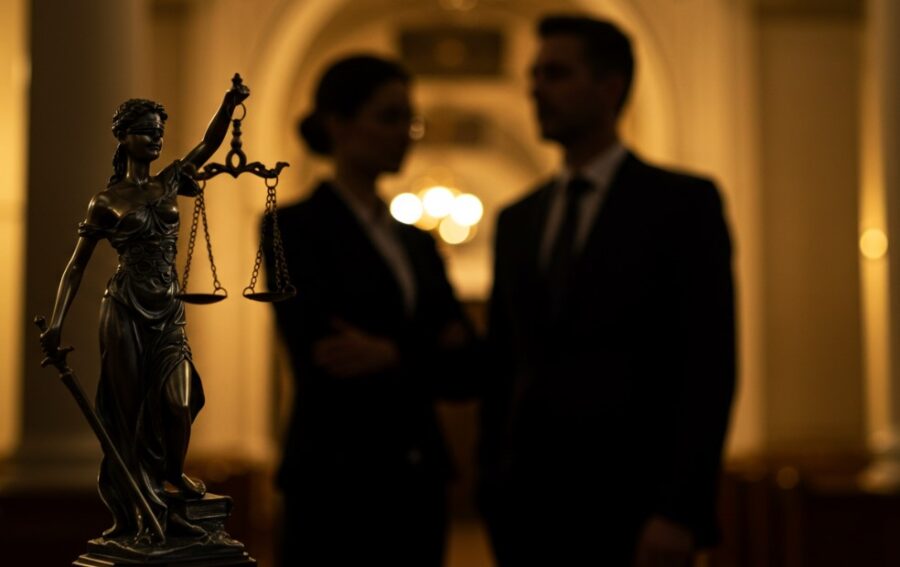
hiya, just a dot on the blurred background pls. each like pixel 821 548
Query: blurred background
pixel 791 105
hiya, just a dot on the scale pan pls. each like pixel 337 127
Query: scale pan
pixel 201 298
pixel 270 296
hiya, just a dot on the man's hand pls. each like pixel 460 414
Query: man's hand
pixel 351 352
pixel 664 543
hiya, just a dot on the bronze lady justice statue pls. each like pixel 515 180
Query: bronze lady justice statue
pixel 149 390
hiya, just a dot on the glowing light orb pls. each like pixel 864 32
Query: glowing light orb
pixel 406 208
pixel 453 233
pixel 873 244
pixel 467 210
pixel 438 201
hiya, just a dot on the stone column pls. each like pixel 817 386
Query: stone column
pixel 13 107
pixel 879 217
pixel 83 58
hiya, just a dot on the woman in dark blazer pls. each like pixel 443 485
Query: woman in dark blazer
pixel 375 335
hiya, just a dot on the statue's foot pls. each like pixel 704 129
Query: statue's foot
pixel 190 488
pixel 148 537
pixel 179 526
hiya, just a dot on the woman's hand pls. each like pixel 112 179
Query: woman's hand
pixel 350 352
pixel 50 342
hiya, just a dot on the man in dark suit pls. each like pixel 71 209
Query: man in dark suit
pixel 611 333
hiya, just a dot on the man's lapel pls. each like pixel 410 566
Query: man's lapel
pixel 533 233
pixel 608 219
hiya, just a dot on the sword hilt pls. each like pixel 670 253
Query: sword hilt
pixel 58 359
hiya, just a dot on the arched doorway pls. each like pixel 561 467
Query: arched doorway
pixel 507 157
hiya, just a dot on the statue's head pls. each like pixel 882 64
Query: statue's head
pixel 138 124
pixel 133 112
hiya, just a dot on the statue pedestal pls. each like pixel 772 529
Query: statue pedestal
pixel 215 549
pixel 93 560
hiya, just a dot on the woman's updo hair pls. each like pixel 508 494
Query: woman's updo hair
pixel 126 115
pixel 343 89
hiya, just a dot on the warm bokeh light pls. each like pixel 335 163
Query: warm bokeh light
pixel 437 207
pixel 438 201
pixel 452 232
pixel 417 129
pixel 427 222
pixel 406 208
pixel 873 244
pixel 467 210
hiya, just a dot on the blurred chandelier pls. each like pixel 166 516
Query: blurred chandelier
pixel 452 214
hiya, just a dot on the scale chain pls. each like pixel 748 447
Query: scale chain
pixel 212 264
pixel 282 278
pixel 198 215
pixel 191 241
pixel 259 251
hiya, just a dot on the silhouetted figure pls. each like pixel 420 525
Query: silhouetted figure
pixel 149 391
pixel 374 335
pixel 611 332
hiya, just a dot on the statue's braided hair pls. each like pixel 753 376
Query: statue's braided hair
pixel 126 115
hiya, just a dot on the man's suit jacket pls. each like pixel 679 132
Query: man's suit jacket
pixel 623 400
pixel 380 424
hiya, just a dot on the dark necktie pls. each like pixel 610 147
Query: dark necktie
pixel 562 257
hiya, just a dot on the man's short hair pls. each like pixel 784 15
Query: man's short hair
pixel 607 48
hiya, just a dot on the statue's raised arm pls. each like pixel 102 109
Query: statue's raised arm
pixel 218 126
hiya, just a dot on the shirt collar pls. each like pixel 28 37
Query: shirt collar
pixel 365 214
pixel 600 170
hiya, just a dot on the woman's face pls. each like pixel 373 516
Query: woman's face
pixel 143 140
pixel 377 138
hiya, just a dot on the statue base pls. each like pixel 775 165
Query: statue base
pixel 93 560
pixel 214 549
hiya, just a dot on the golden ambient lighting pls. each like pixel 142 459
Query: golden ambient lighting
pixel 406 208
pixel 873 244
pixel 453 233
pixel 458 5
pixel 417 129
pixel 467 210
pixel 438 201
pixel 453 215
pixel 428 222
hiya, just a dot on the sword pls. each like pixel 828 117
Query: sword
pixel 67 375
